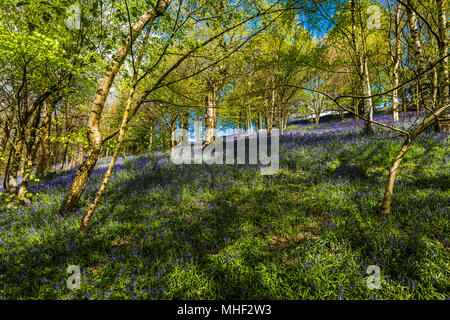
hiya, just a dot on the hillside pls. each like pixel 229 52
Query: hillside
pixel 166 231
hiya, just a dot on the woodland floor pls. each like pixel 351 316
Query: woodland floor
pixel 226 232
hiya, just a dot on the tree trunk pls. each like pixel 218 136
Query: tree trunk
pixel 273 109
pixel 389 190
pixel 386 205
pixel 267 117
pixel 435 85
pixel 395 57
pixel 66 163
pixel 95 139
pixel 356 108
pixel 199 132
pixel 173 138
pixel 355 100
pixel 249 120
pixel 87 217
pixel 363 71
pixel 185 126
pixel 286 119
pixel 6 175
pixel 368 107
pixel 42 163
pixel 26 177
pixel 150 144
pixel 210 117
pixel 260 121
pixel 63 159
pixel 444 90
pixel 420 60
pixel 13 184
pixel 281 121
pixel 53 157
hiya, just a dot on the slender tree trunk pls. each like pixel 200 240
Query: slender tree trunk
pixel 150 145
pixel 71 163
pixel 26 177
pixel 173 138
pixel 418 95
pixel 434 90
pixel 210 117
pixel 395 57
pixel 363 70
pixel 386 206
pixel 356 108
pixel 180 126
pixel 389 190
pixel 53 158
pixel 286 119
pixel 355 100
pixel 15 166
pixel 415 94
pixel 420 60
pixel 443 52
pixel 267 117
pixel 66 164
pixel 199 132
pixel 95 139
pixel 368 107
pixel 444 90
pixel 260 121
pixel 404 103
pixel 87 217
pixel 185 126
pixel 273 107
pixel 6 175
pixel 281 121
pixel 63 159
pixel 249 120
pixel 4 143
pixel 42 162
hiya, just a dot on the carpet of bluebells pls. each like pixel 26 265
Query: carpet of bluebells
pixel 166 231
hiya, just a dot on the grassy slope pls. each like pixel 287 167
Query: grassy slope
pixel 225 231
